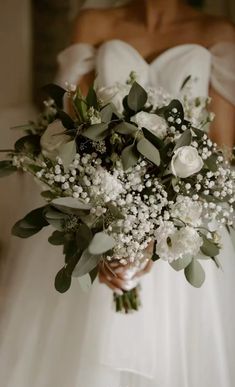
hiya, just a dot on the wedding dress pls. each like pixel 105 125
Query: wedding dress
pixel 181 336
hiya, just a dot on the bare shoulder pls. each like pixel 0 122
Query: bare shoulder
pixel 218 29
pixel 92 26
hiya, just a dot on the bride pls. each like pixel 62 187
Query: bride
pixel 182 336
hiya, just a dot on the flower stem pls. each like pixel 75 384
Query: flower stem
pixel 128 302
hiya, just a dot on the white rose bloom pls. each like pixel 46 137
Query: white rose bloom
pixel 52 139
pixel 187 210
pixel 186 161
pixel 152 122
pixel 173 244
pixel 114 94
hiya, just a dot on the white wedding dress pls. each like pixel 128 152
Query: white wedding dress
pixel 182 336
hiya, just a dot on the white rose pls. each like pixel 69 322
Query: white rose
pixel 52 139
pixel 114 94
pixel 152 122
pixel 186 161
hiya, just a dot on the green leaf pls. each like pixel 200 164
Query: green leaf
pixel 96 132
pixel 137 97
pixel 156 141
pixel 101 243
pixel 181 263
pixel 22 230
pixel 126 129
pixel 70 249
pixel 91 99
pixel 184 140
pixel 83 236
pixel 86 263
pixel 115 211
pixel 48 195
pixel 107 112
pixel 195 274
pixel 62 281
pixel 56 93
pixel 66 120
pixel 199 133
pixel 57 238
pixel 129 156
pixel 155 257
pixel 80 107
pixel 29 144
pixel 67 153
pixel 31 224
pixel 70 205
pixel 6 168
pixel 85 282
pixel 55 218
pixel 209 248
pixel 211 163
pixel 149 151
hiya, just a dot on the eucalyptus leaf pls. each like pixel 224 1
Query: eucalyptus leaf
pixel 55 218
pixel 6 168
pixel 101 243
pixel 57 238
pixel 29 144
pixel 31 224
pixel 209 248
pixel 85 282
pixel 56 93
pixel 96 132
pixel 211 163
pixel 195 274
pixel 181 263
pixel 48 195
pixel 83 236
pixel 149 151
pixel 67 153
pixel 66 120
pixel 70 205
pixel 184 140
pixel 107 112
pixel 62 281
pixel 126 128
pixel 199 133
pixel 156 141
pixel 86 263
pixel 129 156
pixel 137 97
pixel 24 232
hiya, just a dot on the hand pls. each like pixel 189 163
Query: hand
pixel 118 277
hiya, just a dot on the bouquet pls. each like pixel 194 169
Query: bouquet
pixel 126 169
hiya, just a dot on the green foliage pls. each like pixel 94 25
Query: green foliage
pixel 211 163
pixel 156 141
pixel 55 218
pixel 101 243
pixel 69 205
pixel 129 156
pixel 149 151
pixel 96 132
pixel 209 248
pixel 66 120
pixel 57 238
pixel 107 112
pixel 6 168
pixel 56 93
pixel 195 274
pixel 29 144
pixel 91 99
pixel 62 281
pixel 181 263
pixel 67 153
pixel 137 97
pixel 86 263
pixel 184 140
pixel 31 224
pixel 126 129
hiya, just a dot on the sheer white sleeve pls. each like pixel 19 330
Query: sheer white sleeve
pixel 74 62
pixel 223 70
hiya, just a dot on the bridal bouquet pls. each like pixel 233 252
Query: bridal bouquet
pixel 128 168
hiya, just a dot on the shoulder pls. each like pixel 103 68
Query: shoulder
pixel 92 26
pixel 218 30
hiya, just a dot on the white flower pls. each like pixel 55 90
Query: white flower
pixel 187 210
pixel 173 244
pixel 152 122
pixel 114 94
pixel 52 139
pixel 186 161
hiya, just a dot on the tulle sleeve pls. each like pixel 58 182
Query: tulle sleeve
pixel 223 70
pixel 74 62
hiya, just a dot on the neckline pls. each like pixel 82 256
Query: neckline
pixel 159 57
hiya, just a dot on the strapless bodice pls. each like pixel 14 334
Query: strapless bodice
pixel 114 60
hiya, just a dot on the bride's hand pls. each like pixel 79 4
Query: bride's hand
pixel 118 277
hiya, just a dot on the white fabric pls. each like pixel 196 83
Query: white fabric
pixel 181 337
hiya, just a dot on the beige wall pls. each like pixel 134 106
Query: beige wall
pixel 15 46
